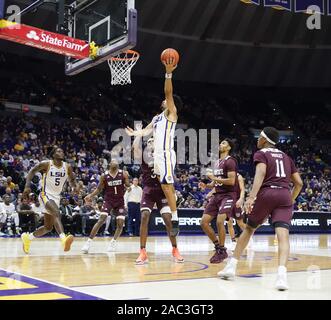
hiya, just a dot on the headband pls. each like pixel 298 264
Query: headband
pixel 266 137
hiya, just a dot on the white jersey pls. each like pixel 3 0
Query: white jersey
pixel 54 179
pixel 163 133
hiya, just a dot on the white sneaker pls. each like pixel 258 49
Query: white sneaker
pixel 281 282
pixel 112 245
pixel 86 247
pixel 2 234
pixel 229 272
pixel 106 233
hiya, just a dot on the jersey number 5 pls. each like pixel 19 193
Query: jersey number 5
pixel 57 181
pixel 280 169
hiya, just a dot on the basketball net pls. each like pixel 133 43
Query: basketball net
pixel 121 65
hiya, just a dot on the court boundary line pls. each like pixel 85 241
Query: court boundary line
pixel 200 278
pixel 50 282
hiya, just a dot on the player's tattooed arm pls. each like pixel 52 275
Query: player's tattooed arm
pixel 40 167
pixel 98 190
pixel 261 169
pixel 72 180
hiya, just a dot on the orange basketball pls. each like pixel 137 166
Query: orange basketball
pixel 170 53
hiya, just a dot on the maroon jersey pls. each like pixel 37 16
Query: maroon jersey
pixel 280 167
pixel 149 179
pixel 114 187
pixel 221 170
pixel 237 187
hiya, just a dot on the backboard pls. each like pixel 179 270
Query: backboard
pixel 111 24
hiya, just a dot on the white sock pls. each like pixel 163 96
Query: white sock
pixel 62 236
pixel 89 240
pixel 31 236
pixel 174 216
pixel 282 270
pixel 233 261
pixel 113 240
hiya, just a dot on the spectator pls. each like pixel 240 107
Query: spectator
pixel 132 199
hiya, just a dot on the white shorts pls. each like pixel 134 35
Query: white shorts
pixel 164 166
pixel 45 197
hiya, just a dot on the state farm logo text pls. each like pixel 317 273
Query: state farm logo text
pixel 48 38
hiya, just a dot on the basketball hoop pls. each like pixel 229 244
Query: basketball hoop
pixel 121 65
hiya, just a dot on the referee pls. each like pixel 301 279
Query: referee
pixel 132 199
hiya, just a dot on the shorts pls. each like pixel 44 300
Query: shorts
pixel 164 165
pixel 220 203
pixel 152 196
pixel 276 203
pixel 237 213
pixel 45 197
pixel 116 209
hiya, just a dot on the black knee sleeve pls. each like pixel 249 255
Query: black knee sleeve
pixel 281 224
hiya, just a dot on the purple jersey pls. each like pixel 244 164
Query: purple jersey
pixel 221 170
pixel 280 167
pixel 114 187
pixel 149 179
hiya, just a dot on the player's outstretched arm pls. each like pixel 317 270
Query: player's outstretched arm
pixel 40 167
pixel 261 169
pixel 168 89
pixel 298 184
pixel 142 132
pixel 98 190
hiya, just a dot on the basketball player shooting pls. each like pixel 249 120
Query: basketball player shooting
pixel 55 172
pixel 163 127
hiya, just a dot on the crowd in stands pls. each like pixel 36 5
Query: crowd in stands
pixel 82 122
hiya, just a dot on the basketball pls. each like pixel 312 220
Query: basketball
pixel 170 53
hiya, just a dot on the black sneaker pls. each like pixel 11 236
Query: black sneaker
pixel 175 228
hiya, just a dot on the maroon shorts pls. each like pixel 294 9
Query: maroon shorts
pixel 152 196
pixel 115 208
pixel 274 203
pixel 220 203
pixel 237 213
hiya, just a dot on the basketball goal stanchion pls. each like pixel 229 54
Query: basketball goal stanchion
pixel 121 66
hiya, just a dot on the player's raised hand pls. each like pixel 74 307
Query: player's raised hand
pixel 129 131
pixel 169 65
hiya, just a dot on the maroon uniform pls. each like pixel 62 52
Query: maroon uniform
pixel 237 213
pixel 274 198
pixel 223 199
pixel 152 192
pixel 114 193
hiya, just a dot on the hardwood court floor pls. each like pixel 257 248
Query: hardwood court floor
pixel 74 275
